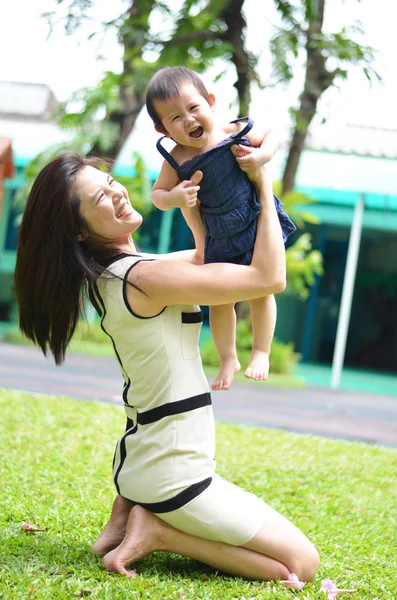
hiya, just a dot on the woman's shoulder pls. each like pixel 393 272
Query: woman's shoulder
pixel 117 268
pixel 121 259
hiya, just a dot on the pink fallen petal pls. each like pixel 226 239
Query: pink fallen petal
pixel 29 527
pixel 329 586
pixel 293 582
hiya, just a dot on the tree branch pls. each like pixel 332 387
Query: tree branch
pixel 192 37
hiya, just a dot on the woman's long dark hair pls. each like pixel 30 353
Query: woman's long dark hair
pixel 53 265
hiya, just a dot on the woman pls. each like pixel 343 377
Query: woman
pixel 76 229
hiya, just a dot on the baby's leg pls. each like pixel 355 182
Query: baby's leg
pixel 263 318
pixel 223 329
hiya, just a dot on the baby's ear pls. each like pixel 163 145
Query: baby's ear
pixel 211 100
pixel 160 129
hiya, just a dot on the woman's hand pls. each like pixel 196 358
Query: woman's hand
pixel 261 177
pixel 250 158
pixel 257 172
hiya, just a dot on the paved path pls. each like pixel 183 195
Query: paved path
pixel 343 414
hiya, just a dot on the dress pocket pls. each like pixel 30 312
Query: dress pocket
pixel 190 331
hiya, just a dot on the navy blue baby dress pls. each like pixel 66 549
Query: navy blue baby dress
pixel 228 200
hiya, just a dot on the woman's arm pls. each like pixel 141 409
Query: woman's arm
pixel 190 256
pixel 179 282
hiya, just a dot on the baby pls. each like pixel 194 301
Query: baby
pixel 223 215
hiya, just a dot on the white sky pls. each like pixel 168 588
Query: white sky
pixel 68 63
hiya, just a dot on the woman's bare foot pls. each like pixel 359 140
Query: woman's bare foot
pixel 229 367
pixel 114 531
pixel 142 536
pixel 258 367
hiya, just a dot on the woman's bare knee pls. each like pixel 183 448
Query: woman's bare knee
pixel 306 565
pixel 312 564
pixel 282 541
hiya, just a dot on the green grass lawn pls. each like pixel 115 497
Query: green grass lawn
pixel 55 473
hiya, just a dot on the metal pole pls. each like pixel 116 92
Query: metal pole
pixel 164 242
pixel 347 293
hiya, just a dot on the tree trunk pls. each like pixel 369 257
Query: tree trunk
pixel 126 121
pixel 233 17
pixel 131 94
pixel 317 80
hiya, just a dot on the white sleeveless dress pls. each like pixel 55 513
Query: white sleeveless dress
pixel 165 461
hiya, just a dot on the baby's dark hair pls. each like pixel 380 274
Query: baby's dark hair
pixel 166 84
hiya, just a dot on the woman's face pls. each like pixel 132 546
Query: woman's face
pixel 105 207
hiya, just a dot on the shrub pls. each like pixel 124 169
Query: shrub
pixel 283 357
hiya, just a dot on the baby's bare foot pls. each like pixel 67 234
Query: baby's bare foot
pixel 143 536
pixel 225 377
pixel 258 367
pixel 114 531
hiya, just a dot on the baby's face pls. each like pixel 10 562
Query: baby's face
pixel 187 118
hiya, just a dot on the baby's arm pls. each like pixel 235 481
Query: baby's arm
pixel 168 193
pixel 165 194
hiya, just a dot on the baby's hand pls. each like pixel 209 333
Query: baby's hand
pixel 184 195
pixel 250 159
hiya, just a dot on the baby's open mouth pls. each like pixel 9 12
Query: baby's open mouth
pixel 197 132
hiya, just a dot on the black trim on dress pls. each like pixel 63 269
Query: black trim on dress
pixel 123 455
pixel 177 501
pixel 125 282
pixel 129 424
pixel 106 263
pixel 93 300
pixel 173 408
pixel 127 380
pixel 192 317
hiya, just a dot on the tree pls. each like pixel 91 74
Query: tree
pixel 302 29
pixel 201 34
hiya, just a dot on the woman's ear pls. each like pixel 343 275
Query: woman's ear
pixel 211 100
pixel 83 235
pixel 160 129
